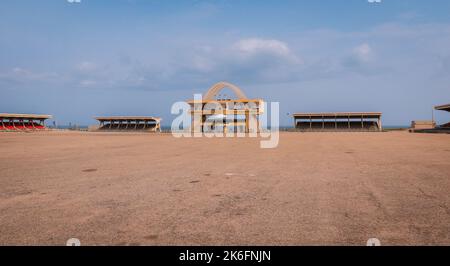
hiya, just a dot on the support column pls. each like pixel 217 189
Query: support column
pixel 192 121
pixel 258 129
pixel 247 121
pixel 335 122
pixel 203 123
pixel 224 121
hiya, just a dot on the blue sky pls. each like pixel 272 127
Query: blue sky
pixel 137 57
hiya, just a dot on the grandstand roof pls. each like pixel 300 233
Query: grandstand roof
pixel 445 107
pixel 25 116
pixel 339 115
pixel 126 118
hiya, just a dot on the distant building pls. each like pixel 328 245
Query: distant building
pixel 342 121
pixel 128 123
pixel 422 124
pixel 23 122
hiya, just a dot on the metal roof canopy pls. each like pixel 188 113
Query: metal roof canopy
pixel 25 116
pixel 343 115
pixel 445 107
pixel 128 118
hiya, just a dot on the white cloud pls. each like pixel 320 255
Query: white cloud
pixel 88 83
pixel 22 75
pixel 360 59
pixel 87 66
pixel 311 55
pixel 255 45
pixel 246 60
pixel 203 64
pixel 363 52
pixel 21 72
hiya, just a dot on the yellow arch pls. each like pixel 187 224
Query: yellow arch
pixel 219 86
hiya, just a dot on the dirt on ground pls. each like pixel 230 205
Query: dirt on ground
pixel 154 189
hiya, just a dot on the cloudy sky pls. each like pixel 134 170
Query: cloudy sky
pixel 137 57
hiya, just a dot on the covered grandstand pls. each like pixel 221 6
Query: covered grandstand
pixel 129 123
pixel 445 107
pixel 443 128
pixel 343 121
pixel 23 122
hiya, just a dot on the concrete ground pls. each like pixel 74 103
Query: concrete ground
pixel 154 189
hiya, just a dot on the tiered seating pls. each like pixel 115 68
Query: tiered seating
pixel 36 126
pixel 9 126
pixel 29 126
pixel 339 125
pixel 124 127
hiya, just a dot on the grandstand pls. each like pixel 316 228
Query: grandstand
pixel 129 123
pixel 445 107
pixel 23 122
pixel 349 121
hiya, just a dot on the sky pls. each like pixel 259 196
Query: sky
pixel 138 57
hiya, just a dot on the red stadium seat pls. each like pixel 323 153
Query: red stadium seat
pixel 8 126
pixel 29 126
